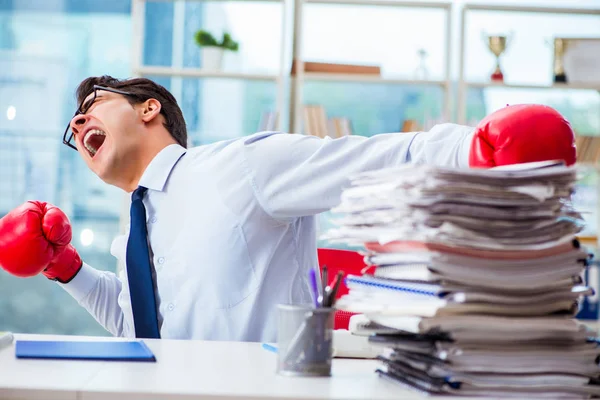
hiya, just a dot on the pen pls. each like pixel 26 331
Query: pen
pixel 327 301
pixel 313 282
pixel 325 283
pixel 269 347
pixel 294 348
pixel 328 290
pixel 336 286
pixel 319 284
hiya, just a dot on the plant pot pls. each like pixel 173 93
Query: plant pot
pixel 212 58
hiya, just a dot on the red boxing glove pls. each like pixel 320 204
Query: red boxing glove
pixel 522 133
pixel 64 266
pixel 34 238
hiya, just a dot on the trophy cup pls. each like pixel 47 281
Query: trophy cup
pixel 497 45
pixel 560 47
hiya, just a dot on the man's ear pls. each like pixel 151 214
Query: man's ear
pixel 150 109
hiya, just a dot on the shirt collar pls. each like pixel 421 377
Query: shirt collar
pixel 157 173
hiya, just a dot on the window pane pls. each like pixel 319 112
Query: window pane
pixel 219 109
pixel 390 37
pixel 46 49
pixel 388 107
pixel 170 27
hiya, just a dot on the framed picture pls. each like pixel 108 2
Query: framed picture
pixel 580 59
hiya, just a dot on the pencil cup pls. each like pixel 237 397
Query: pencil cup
pixel 305 336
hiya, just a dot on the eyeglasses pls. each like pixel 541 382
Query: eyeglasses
pixel 83 108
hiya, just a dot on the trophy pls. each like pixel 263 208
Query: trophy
pixel 497 45
pixel 560 47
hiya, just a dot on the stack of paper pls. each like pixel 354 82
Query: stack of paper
pixel 475 279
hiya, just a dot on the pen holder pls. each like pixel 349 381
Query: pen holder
pixel 305 336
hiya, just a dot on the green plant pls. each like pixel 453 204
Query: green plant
pixel 228 43
pixel 206 39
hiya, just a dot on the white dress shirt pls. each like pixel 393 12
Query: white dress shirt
pixel 231 226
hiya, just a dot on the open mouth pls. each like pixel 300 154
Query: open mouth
pixel 93 140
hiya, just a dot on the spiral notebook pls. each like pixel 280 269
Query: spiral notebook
pixel 84 350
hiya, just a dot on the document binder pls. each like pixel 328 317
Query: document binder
pixel 84 350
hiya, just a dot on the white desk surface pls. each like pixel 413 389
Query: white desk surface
pixel 186 370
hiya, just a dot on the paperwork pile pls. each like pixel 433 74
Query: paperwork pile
pixel 474 281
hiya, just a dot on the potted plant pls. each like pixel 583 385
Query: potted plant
pixel 213 50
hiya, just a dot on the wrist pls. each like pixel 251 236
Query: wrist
pixel 466 148
pixel 65 266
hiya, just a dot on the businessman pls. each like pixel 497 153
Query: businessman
pixel 220 234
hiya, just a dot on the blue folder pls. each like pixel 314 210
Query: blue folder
pixel 86 350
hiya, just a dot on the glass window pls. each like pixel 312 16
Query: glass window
pixel 46 49
pixel 389 105
pixel 169 29
pixel 217 108
pixel 390 37
pixel 220 109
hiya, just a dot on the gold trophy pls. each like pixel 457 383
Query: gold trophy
pixel 560 47
pixel 497 45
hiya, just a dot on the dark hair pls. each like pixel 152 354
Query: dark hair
pixel 142 89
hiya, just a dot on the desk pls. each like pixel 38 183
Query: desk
pixel 186 370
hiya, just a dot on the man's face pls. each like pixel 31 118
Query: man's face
pixel 108 135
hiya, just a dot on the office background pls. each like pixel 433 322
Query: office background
pixel 48 46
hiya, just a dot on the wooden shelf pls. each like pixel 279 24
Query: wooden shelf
pixel 201 73
pixel 366 78
pixel 563 86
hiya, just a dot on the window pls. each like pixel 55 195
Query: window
pixel 46 49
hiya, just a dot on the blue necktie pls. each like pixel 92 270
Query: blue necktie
pixel 139 271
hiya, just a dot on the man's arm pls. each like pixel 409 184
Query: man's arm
pixel 296 175
pixel 98 292
pixel 36 238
